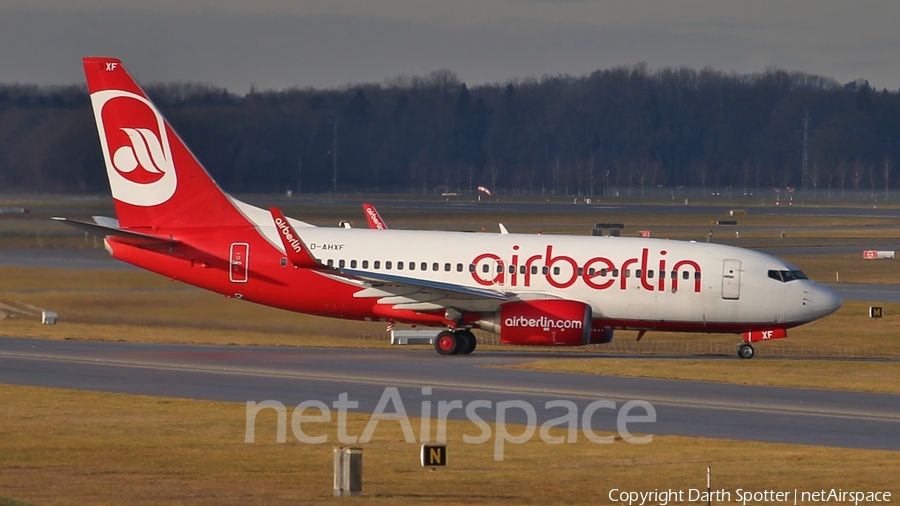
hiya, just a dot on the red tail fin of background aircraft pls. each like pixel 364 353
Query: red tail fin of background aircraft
pixel 372 216
pixel 155 180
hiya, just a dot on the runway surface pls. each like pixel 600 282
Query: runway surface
pixel 292 375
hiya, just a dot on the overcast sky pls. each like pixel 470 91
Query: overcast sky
pixel 275 44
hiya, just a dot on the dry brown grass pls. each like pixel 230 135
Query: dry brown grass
pixel 73 447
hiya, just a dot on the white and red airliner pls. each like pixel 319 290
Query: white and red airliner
pixel 537 290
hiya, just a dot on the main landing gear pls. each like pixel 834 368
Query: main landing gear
pixel 745 350
pixel 460 342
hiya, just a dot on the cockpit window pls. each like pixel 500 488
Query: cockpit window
pixel 787 276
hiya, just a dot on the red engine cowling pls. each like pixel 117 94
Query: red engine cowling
pixel 546 322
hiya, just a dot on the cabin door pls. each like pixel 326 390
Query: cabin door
pixel 731 279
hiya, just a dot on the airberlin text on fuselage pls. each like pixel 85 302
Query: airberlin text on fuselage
pixel 596 272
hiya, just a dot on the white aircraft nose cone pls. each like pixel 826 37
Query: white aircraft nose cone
pixel 825 301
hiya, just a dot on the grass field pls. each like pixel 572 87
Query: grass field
pixel 72 447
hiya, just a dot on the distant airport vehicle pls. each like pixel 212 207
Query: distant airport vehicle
pixel 530 289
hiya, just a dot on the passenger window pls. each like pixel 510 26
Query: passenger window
pixel 662 274
pixel 353 264
pixel 650 273
pixel 522 269
pixel 459 268
pixel 447 267
pixel 685 275
pixel 627 273
pixel 377 264
pixel 697 275
pixel 365 264
pixel 471 267
pixel 499 268
pixel 581 271
pixel 534 269
pixel 412 266
pixel 603 272
pixel 591 272
pixel 674 274
pixel 556 271
pixel 615 273
pixel 399 266
pixel 330 262
pixel 545 270
pixel 485 268
pixel 512 269
pixel 387 265
pixel 435 266
pixel 637 273
pixel 283 262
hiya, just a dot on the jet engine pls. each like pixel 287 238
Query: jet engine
pixel 545 322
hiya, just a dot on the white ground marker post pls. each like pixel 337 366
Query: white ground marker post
pixel 347 471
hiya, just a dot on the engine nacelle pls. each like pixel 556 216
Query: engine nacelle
pixel 545 322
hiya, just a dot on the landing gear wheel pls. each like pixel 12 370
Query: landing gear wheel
pixel 447 343
pixel 467 340
pixel 746 350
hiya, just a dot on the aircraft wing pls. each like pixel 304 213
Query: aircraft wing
pixel 127 236
pixel 372 216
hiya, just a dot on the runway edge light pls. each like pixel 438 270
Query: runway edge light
pixel 433 455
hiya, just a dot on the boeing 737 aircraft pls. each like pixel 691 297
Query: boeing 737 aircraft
pixel 537 290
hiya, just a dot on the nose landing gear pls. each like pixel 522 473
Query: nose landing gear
pixel 745 350
pixel 460 342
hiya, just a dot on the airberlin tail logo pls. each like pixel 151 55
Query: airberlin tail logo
pixel 135 147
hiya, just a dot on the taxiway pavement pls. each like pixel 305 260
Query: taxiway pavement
pixel 292 375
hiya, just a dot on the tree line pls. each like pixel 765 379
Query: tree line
pixel 561 134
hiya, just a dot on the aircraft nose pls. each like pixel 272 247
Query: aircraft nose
pixel 825 301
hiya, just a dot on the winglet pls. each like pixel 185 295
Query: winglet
pixel 375 221
pixel 297 252
pixel 503 230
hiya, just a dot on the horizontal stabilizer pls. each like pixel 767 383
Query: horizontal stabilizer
pixel 297 252
pixel 126 236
